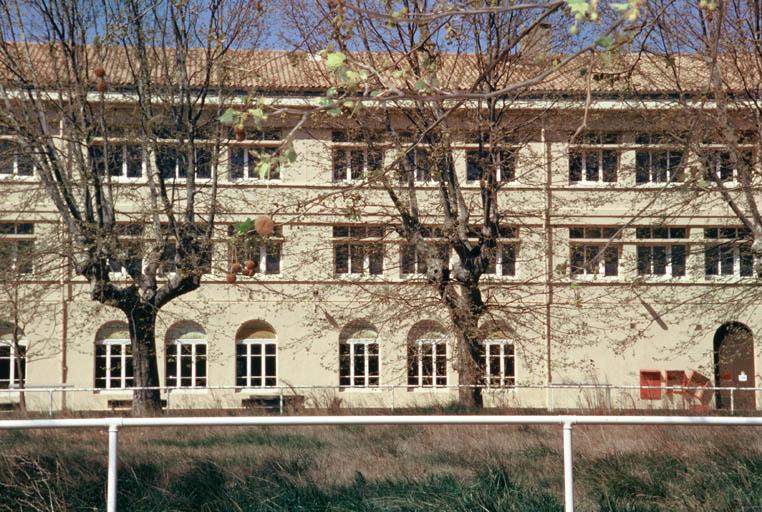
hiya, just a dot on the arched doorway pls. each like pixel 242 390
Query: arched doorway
pixel 734 365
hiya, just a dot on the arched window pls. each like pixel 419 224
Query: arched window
pixel 256 359
pixel 427 355
pixel 113 357
pixel 498 360
pixel 358 356
pixel 186 356
pixel 12 361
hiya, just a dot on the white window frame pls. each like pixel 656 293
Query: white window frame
pixel 108 343
pixel 503 377
pixel 194 343
pixel 14 174
pixel 710 242
pixel 14 239
pixel 366 342
pixel 718 150
pixel 505 149
pixel 435 343
pixel 667 243
pixel 261 260
pixel 12 383
pixel 366 242
pixel 199 145
pixel 348 148
pixel 249 164
pixel 249 376
pixel 122 145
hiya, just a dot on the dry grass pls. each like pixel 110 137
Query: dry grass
pixel 386 468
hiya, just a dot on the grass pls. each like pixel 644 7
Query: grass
pixel 380 468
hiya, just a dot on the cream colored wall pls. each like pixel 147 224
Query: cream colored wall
pixel 602 332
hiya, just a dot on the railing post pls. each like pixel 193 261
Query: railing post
pixel 280 400
pixel 568 469
pixel 732 401
pixel 169 391
pixel 113 432
pixel 50 402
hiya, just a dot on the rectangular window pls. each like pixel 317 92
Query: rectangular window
pixel 502 163
pixel 661 163
pixel 358 249
pixel 118 160
pixel 265 253
pixel 498 363
pixel 256 364
pixel 243 162
pixel 727 252
pixel 113 365
pixel 129 239
pixel 503 261
pixel 660 252
pixel 172 162
pixel 12 365
pixel 358 363
pixel 14 161
pixel 594 251
pixel 592 161
pixel 427 363
pixel 353 159
pixel 201 261
pixel 416 261
pixel 186 364
pixel 719 165
pixel 17 250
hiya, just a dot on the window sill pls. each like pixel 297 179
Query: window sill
pixel 428 389
pixel 189 390
pixel 269 390
pixel 597 184
pixel 256 181
pixel 361 389
pixel 113 391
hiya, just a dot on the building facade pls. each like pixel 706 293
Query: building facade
pixel 608 271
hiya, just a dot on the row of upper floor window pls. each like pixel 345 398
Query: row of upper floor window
pixel 593 159
pixel 256 357
pixel 364 250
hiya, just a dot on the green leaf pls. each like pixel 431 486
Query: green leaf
pixel 334 112
pixel 420 85
pixel 605 42
pixel 332 91
pixel 258 114
pixel 230 117
pixel 291 154
pixel 335 60
pixel 263 169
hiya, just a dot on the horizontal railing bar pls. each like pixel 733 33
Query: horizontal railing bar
pixel 210 421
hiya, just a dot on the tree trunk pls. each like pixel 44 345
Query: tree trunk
pixel 468 365
pixel 142 323
pixel 18 373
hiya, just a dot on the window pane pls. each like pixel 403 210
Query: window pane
pixel 166 161
pixel 642 167
pixel 341 258
pixel 575 166
pixel 591 167
pixel 339 165
pixel 577 260
pixel 659 260
pixel 644 261
pixel 610 159
pixel 412 365
pixel 592 263
pixel 407 259
pixel 134 161
pixel 508 261
pixel 376 259
pixel 712 261
pixel 473 166
pixel 203 163
pixel 270 370
pixel 746 260
pixel 357 163
pixel 357 258
pixel 272 259
pixel 236 163
pixel 344 364
pixel 611 261
pixel 726 260
pixel 678 260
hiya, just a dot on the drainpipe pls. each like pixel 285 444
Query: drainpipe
pixel 548 228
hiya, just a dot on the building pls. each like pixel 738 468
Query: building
pixel 335 310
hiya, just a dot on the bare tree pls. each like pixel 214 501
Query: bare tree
pixel 408 69
pixel 101 92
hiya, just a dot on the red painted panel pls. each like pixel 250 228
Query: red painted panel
pixel 650 378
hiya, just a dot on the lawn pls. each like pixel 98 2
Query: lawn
pixel 375 468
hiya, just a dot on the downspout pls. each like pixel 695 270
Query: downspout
pixel 548 228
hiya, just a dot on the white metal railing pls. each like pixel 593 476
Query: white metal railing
pixel 282 392
pixel 566 422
